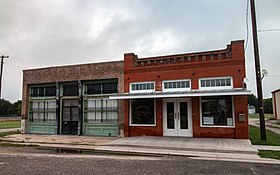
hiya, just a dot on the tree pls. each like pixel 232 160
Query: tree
pixel 5 106
pixel 252 100
pixel 10 109
pixel 15 109
pixel 267 104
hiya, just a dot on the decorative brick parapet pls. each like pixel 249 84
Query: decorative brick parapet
pixel 217 55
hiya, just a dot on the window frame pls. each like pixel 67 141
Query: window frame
pixel 130 115
pixel 217 126
pixel 101 110
pixel 142 91
pixel 85 84
pixel 44 111
pixel 44 92
pixel 176 89
pixel 215 87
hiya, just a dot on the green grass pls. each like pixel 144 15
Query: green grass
pixel 269 154
pixel 272 139
pixel 9 124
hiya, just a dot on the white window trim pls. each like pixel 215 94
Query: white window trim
pixel 176 89
pixel 216 87
pixel 131 124
pixel 141 91
pixel 217 126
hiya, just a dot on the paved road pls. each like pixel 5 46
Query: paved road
pixel 35 162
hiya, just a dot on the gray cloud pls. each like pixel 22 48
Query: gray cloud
pixel 47 33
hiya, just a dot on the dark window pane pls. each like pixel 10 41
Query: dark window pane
pixel 34 92
pixel 218 82
pixel 70 90
pixel 188 84
pixel 133 87
pixel 110 88
pixel 142 111
pixel 166 86
pixel 213 83
pixel 228 83
pixel 217 111
pixel 184 115
pixel 202 83
pixel 223 82
pixel 50 91
pixel 94 88
pixel 207 83
pixel 170 115
pixel 41 91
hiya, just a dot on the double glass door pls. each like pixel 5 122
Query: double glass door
pixel 177 117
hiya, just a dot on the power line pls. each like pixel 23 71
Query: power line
pixel 269 30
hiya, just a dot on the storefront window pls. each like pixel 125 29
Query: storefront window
pixel 142 112
pixel 101 110
pixel 43 111
pixel 217 111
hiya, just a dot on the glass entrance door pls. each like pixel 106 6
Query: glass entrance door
pixel 70 117
pixel 177 117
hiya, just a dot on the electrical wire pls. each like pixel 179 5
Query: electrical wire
pixel 269 30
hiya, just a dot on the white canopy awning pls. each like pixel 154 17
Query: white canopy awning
pixel 193 93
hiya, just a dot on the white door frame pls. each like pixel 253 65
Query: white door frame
pixel 177 131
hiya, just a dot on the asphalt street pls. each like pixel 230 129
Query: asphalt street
pixel 31 161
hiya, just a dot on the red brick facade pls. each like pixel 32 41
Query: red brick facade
pixel 193 66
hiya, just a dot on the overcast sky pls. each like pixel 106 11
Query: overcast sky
pixel 43 33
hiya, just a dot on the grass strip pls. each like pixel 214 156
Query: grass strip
pixel 272 139
pixel 269 154
pixel 9 124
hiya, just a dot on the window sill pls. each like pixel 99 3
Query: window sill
pixel 142 124
pixel 216 126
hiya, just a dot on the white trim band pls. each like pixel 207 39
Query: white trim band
pixel 194 93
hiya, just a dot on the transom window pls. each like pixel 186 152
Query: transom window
pixel 176 85
pixel 46 91
pixel 216 83
pixel 101 88
pixel 70 90
pixel 217 111
pixel 142 87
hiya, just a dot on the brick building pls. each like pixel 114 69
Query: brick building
pixel 276 103
pixel 73 99
pixel 191 95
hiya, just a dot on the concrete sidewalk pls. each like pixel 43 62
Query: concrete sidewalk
pixel 187 144
pixel 9 129
pixel 218 149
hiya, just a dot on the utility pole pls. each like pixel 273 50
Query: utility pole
pixel 258 71
pixel 1 71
